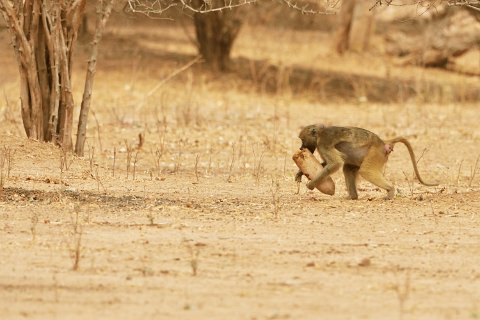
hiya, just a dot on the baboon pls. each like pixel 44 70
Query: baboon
pixel 360 151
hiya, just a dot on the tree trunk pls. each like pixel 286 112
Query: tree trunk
pixel 345 25
pixel 216 32
pixel 362 27
pixel 44 34
pixel 102 18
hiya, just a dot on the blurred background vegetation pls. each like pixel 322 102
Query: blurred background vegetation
pixel 357 51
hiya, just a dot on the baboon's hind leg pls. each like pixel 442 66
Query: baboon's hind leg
pixel 350 172
pixel 371 170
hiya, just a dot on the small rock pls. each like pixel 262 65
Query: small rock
pixel 365 262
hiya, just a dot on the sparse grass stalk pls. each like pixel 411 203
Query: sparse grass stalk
pixel 473 171
pixel 63 163
pixel 418 160
pixel 99 136
pixel 458 173
pixel 257 164
pixel 151 218
pixel 91 157
pixel 6 162
pixel 99 181
pixel 75 246
pixel 129 150
pixel 197 159
pixel 135 160
pixel 157 158
pixel 421 155
pixel 275 189
pixel 162 131
pixel 141 140
pixel 209 168
pixel 194 254
pixel 2 175
pixel 114 160
pixel 177 164
pixel 9 159
pixel 232 164
pixel 33 226
pixel 410 183
pixel 403 293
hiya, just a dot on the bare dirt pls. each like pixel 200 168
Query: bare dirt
pixel 206 222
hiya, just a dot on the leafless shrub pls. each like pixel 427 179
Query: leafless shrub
pixel 257 163
pixel 160 148
pixel 157 155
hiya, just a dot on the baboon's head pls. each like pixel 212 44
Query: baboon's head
pixel 309 135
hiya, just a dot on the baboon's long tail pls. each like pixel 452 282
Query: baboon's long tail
pixel 412 157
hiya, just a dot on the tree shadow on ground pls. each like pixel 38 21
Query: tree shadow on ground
pixel 317 84
pixel 21 195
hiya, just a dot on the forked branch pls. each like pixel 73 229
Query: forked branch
pixel 154 8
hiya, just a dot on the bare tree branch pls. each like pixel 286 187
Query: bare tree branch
pixel 429 4
pixel 154 8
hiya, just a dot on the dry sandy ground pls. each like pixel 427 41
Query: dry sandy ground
pixel 207 223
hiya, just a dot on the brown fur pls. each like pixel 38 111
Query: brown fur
pixel 358 151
